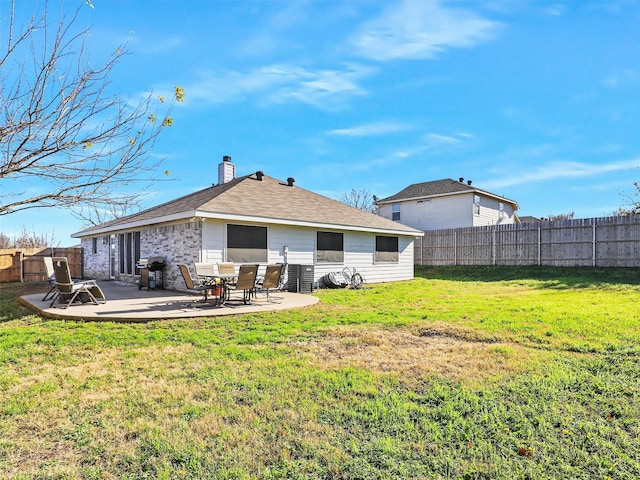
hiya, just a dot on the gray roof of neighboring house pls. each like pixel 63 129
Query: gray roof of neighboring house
pixel 436 188
pixel 529 219
pixel 268 200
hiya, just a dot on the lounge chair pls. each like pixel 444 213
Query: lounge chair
pixel 246 282
pixel 51 278
pixel 192 284
pixel 272 279
pixel 70 291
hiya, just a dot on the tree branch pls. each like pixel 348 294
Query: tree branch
pixel 59 124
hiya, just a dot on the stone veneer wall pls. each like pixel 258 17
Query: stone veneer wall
pixel 96 265
pixel 177 243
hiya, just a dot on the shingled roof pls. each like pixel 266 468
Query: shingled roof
pixel 268 200
pixel 436 188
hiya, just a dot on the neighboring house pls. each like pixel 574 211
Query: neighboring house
pixel 529 219
pixel 251 219
pixel 447 204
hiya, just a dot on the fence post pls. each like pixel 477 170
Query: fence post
pixel 493 247
pixel 594 259
pixel 455 248
pixel 21 262
pixel 539 245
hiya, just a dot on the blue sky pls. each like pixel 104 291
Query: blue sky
pixel 533 100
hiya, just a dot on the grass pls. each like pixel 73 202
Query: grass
pixel 470 373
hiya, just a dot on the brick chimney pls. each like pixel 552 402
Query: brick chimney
pixel 226 170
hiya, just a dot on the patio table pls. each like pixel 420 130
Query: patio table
pixel 220 281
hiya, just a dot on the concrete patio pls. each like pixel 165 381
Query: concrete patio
pixel 126 303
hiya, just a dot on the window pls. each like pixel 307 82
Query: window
pixel 476 204
pixel 246 244
pixel 386 249
pixel 94 245
pixel 121 250
pixel 129 252
pixel 330 247
pixel 395 212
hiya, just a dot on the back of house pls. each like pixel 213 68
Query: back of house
pixel 447 203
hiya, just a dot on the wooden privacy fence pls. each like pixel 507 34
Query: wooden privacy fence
pixel 26 264
pixel 596 242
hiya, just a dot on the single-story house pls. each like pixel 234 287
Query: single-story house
pixel 447 203
pixel 251 219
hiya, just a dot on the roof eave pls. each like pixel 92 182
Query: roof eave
pixel 302 223
pixel 237 217
pixel 132 225
pixel 422 197
pixel 473 190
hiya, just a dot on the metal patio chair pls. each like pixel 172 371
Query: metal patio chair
pixel 247 275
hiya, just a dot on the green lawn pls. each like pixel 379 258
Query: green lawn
pixel 470 373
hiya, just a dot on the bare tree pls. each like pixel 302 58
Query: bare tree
pixel 632 203
pixel 362 199
pixel 32 239
pixel 61 130
pixel 561 216
pixel 27 239
pixel 5 241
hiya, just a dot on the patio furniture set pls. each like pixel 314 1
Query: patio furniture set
pixel 221 284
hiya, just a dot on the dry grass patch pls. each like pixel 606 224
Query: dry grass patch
pixel 98 401
pixel 438 350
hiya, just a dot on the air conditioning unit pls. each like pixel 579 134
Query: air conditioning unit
pixel 300 278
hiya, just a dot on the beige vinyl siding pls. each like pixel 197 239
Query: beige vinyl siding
pixel 359 250
pixel 490 213
pixel 297 240
pixel 359 253
pixel 213 232
pixel 451 211
pixel 438 212
pixel 277 238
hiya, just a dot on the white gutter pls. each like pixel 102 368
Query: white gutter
pixel 302 223
pixel 135 224
pixel 236 217
pixel 410 199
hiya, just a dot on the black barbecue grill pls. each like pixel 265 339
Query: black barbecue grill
pixel 150 265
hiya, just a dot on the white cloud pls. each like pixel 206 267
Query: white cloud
pixel 371 129
pixel 622 79
pixel 281 83
pixel 324 89
pixel 436 140
pixel 153 46
pixel 560 170
pixel 555 10
pixel 421 29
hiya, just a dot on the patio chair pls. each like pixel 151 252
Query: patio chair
pixel 193 285
pixel 246 282
pixel 51 278
pixel 226 268
pixel 228 271
pixel 204 272
pixel 272 279
pixel 70 291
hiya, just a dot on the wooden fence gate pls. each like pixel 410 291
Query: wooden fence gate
pixel 26 264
